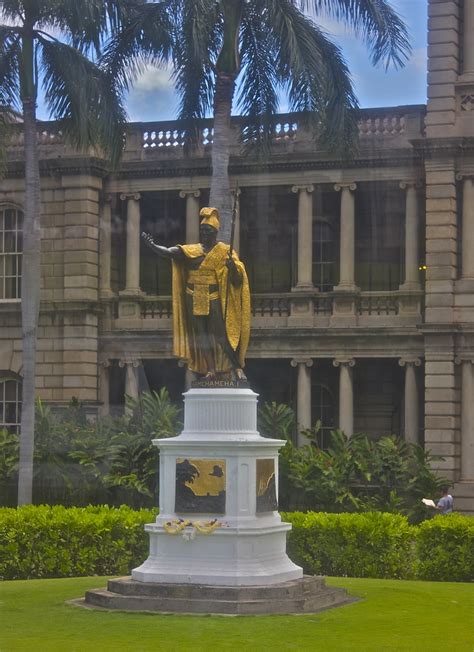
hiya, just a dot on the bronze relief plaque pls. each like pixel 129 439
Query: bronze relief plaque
pixel 266 486
pixel 200 486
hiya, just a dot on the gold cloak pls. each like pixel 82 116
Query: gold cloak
pixel 237 323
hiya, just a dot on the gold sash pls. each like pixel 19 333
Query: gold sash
pixel 201 279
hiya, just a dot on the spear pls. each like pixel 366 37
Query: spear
pixel 231 249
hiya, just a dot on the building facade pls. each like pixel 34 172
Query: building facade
pixel 361 270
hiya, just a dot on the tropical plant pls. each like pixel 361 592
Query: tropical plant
pixel 133 460
pixel 276 420
pixel 359 474
pixel 267 47
pixel 40 46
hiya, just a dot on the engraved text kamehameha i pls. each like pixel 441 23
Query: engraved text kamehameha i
pixel 211 303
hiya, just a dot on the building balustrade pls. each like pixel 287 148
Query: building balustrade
pixel 166 137
pixel 156 308
pixel 376 308
pixel 377 303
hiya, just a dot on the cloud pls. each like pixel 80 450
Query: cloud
pixel 153 96
pixel 154 79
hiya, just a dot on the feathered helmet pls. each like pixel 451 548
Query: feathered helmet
pixel 210 216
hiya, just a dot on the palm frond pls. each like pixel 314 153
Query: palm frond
pixel 11 10
pixel 314 74
pixel 257 98
pixel 381 27
pixel 196 46
pixel 84 22
pixel 83 97
pixel 146 37
pixel 10 53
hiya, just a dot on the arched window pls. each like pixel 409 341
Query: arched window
pixel 11 246
pixel 10 403
pixel 324 256
pixel 323 409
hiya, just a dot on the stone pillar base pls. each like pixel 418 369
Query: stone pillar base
pixel 305 595
pixel 344 308
pixel 219 441
pixel 301 307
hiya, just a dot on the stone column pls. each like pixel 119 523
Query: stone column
pixel 237 219
pixel 467 416
pixel 192 214
pixel 412 419
pixel 132 283
pixel 303 397
pixel 346 395
pixel 412 280
pixel 468 229
pixel 468 38
pixel 131 376
pixel 305 236
pixel 104 383
pixel 347 256
pixel 105 248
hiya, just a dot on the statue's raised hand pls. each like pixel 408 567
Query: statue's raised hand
pixel 148 240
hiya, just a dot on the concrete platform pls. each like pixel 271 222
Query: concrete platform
pixel 305 595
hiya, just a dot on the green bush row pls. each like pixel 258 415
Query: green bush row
pixel 56 541
pixel 372 544
pixel 377 544
pixel 44 541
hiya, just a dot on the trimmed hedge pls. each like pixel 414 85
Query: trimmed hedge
pixel 44 541
pixel 55 541
pixel 445 549
pixel 372 544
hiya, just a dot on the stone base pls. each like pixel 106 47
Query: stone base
pixel 306 595
pixel 230 556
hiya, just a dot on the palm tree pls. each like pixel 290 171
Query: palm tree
pixel 273 47
pixel 40 45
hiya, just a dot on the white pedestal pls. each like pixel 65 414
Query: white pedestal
pixel 220 440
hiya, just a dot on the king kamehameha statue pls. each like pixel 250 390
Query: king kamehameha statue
pixel 218 542
pixel 211 303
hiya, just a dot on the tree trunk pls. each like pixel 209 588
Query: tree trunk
pixel 227 68
pixel 220 188
pixel 30 283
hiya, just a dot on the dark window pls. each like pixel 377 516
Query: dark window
pixel 10 404
pixel 11 245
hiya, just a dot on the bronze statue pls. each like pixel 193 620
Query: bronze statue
pixel 211 302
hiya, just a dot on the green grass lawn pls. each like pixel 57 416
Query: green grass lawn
pixel 392 615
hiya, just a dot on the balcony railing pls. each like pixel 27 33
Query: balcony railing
pixel 166 138
pixel 283 310
pixel 156 308
pixel 377 303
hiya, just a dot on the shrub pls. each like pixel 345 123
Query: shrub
pixel 42 541
pixel 445 549
pixel 79 462
pixel 358 474
pixel 373 544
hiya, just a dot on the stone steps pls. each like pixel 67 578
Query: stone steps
pixel 306 595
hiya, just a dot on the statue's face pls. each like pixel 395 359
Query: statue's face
pixel 207 234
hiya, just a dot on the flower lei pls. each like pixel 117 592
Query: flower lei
pixel 179 525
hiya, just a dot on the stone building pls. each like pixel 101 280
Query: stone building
pixel 362 270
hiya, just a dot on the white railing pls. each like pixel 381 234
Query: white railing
pixel 163 138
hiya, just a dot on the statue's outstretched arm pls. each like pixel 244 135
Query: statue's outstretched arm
pixel 163 252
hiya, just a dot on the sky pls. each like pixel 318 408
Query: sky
pixel 153 98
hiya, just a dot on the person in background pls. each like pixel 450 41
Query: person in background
pixel 445 504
